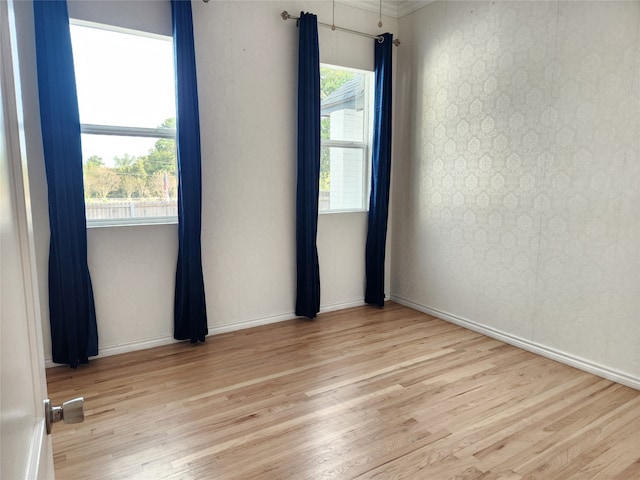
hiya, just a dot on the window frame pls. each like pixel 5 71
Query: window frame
pixel 125 131
pixel 365 146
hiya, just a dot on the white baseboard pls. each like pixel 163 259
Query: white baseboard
pixel 232 327
pixel 341 306
pixel 256 322
pixel 557 355
pixel 108 350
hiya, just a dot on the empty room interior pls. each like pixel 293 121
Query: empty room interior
pixel 425 266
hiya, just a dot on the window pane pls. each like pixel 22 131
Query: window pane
pixel 342 179
pixel 123 79
pixel 129 177
pixel 342 105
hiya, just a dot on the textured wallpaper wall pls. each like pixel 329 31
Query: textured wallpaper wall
pixel 517 178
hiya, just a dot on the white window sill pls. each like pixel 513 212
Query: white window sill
pixel 132 222
pixel 329 212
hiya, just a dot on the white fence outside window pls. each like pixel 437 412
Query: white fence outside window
pixel 123 209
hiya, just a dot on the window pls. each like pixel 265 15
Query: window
pixel 346 101
pixel 126 96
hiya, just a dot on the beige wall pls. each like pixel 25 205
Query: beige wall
pixel 517 175
pixel 516 178
pixel 246 58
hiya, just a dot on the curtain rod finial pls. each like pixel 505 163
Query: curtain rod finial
pixel 285 15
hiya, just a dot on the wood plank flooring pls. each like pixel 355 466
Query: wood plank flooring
pixel 363 393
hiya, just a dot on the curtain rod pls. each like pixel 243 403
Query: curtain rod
pixel 285 16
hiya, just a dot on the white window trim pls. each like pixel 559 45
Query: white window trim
pixel 93 129
pixel 118 29
pixel 116 130
pixel 365 146
pixel 343 144
pixel 131 222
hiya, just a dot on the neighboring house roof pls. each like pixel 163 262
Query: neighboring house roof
pixel 348 96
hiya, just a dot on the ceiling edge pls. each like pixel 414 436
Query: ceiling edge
pixel 394 8
pixel 410 6
pixel 388 9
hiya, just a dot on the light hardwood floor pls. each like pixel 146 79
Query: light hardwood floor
pixel 360 393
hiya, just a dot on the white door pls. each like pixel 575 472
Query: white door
pixel 25 447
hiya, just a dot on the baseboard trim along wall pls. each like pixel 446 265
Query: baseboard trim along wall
pixel 108 350
pixel 559 356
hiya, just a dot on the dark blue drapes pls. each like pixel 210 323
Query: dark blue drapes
pixel 380 174
pixel 308 183
pixel 190 313
pixel 74 336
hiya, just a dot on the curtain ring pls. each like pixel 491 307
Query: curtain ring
pixel 380 39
